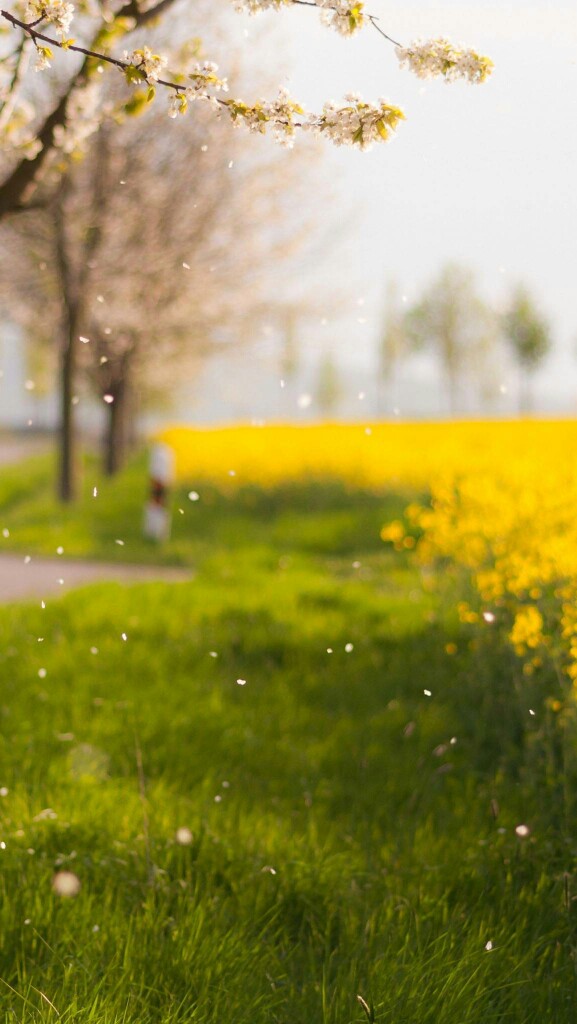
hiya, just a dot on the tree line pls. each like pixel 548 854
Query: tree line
pixel 462 331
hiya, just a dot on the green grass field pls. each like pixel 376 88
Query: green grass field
pixel 352 813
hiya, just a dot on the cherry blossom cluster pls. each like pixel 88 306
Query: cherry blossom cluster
pixel 439 57
pixel 143 65
pixel 204 78
pixel 57 12
pixel 357 123
pixel 346 16
pixel 279 114
pixel 342 15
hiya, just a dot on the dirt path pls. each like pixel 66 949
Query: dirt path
pixel 39 577
pixel 14 448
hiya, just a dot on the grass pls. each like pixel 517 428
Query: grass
pixel 37 523
pixel 342 844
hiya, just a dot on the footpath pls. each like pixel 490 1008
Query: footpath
pixel 25 578
pixel 28 577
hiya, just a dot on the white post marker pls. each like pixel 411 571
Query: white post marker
pixel 157 511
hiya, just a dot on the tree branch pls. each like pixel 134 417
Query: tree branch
pixel 16 189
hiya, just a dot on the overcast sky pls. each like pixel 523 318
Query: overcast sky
pixel 485 175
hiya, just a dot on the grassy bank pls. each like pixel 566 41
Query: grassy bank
pixel 352 811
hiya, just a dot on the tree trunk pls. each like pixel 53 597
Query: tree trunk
pixel 525 393
pixel 67 450
pixel 115 436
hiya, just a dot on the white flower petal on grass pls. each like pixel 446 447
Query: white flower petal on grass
pixel 66 884
pixel 184 836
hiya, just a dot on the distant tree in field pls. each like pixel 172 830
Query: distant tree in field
pixel 328 388
pixel 529 338
pixel 393 346
pixel 454 323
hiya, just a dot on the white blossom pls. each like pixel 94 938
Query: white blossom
pixel 356 124
pixel 146 64
pixel 204 78
pixel 343 15
pixel 43 58
pixel 439 57
pixel 57 12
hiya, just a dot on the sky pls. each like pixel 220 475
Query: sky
pixel 482 175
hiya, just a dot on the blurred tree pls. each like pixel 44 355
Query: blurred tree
pixel 529 338
pixel 393 346
pixel 454 322
pixel 138 281
pixel 328 389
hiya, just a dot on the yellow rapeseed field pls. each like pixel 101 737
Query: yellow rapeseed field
pixel 503 504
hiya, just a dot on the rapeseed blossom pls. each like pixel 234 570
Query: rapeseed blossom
pixel 500 507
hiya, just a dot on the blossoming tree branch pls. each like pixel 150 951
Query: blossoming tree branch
pixel 46 24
